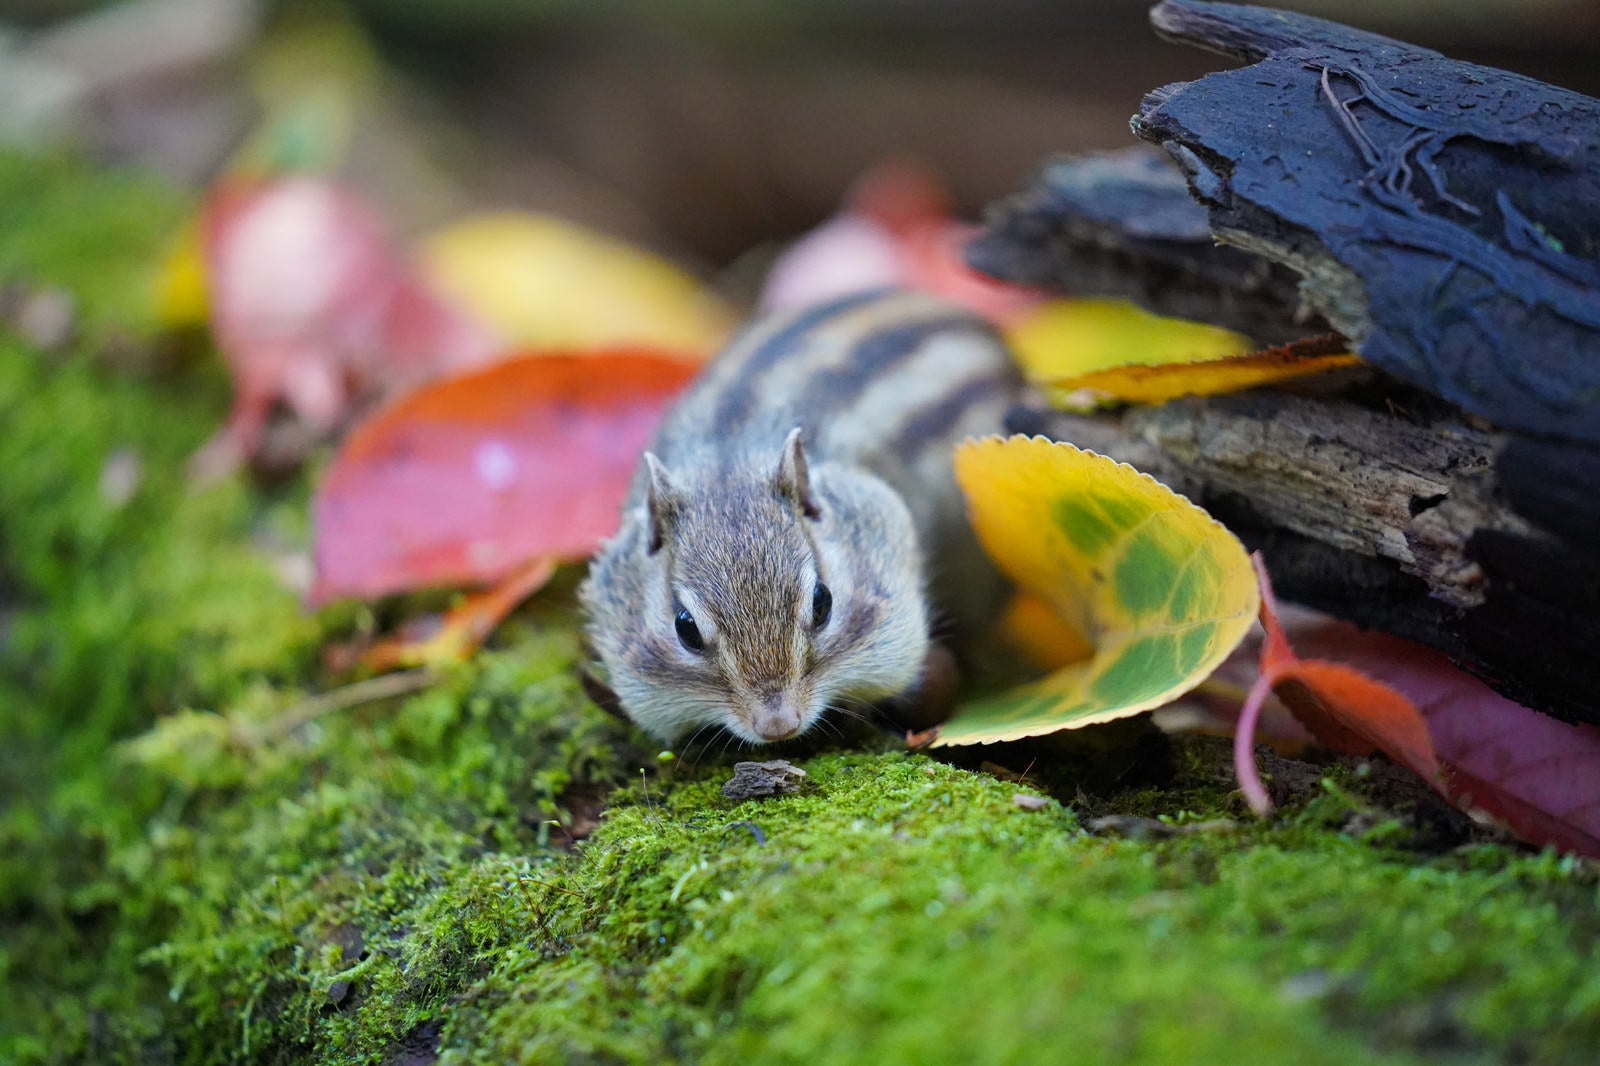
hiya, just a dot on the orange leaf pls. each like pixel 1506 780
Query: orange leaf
pixel 1035 628
pixel 465 627
pixel 1537 775
pixel 1168 381
pixel 1344 709
pixel 464 480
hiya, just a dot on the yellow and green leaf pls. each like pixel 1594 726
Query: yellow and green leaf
pixel 1160 591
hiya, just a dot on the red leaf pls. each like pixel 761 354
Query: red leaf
pixel 1345 710
pixel 312 305
pixel 901 194
pixel 1538 776
pixel 465 480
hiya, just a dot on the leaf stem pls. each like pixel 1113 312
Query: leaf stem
pixel 1244 755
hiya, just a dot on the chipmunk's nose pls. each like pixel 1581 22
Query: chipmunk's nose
pixel 777 718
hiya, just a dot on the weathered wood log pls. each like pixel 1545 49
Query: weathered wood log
pixel 1123 224
pixel 1446 216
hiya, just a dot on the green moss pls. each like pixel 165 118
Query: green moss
pixel 97 233
pixel 382 854
pixel 906 911
pixel 183 881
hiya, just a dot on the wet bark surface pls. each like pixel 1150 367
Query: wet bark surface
pixel 1446 216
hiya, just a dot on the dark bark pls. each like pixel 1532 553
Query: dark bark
pixel 1123 224
pixel 1446 216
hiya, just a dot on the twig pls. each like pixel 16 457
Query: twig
pixel 371 690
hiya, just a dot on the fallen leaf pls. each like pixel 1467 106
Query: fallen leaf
pixel 844 255
pixel 1031 625
pixel 1344 709
pixel 312 306
pixel 314 78
pixel 465 480
pixel 935 261
pixel 1212 709
pixel 465 627
pixel 902 194
pixel 1158 384
pixel 895 230
pixel 544 282
pixel 179 292
pixel 1537 775
pixel 308 77
pixel 1157 588
pixel 1066 338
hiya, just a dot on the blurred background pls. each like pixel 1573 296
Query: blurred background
pixel 703 129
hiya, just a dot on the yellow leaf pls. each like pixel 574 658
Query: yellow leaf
pixel 1161 590
pixel 1065 338
pixel 541 281
pixel 181 299
pixel 1033 627
pixel 1158 384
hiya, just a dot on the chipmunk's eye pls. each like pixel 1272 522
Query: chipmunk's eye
pixel 688 632
pixel 821 606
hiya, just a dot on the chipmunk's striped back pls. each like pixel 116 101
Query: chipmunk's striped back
pixel 885 380
pixel 797 525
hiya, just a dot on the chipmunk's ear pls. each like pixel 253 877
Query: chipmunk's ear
pixel 662 502
pixel 794 476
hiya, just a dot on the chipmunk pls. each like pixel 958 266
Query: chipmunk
pixel 795 527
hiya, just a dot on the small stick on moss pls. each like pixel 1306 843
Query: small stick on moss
pixel 644 783
pixel 371 690
pixel 541 916
pixel 532 904
pixel 554 888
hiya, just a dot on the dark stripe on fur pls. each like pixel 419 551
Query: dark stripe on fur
pixel 837 389
pixel 647 657
pixel 741 393
pixel 935 420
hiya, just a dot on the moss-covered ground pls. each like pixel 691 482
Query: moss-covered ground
pixel 182 881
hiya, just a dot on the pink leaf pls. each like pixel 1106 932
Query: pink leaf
pixel 895 231
pixel 314 307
